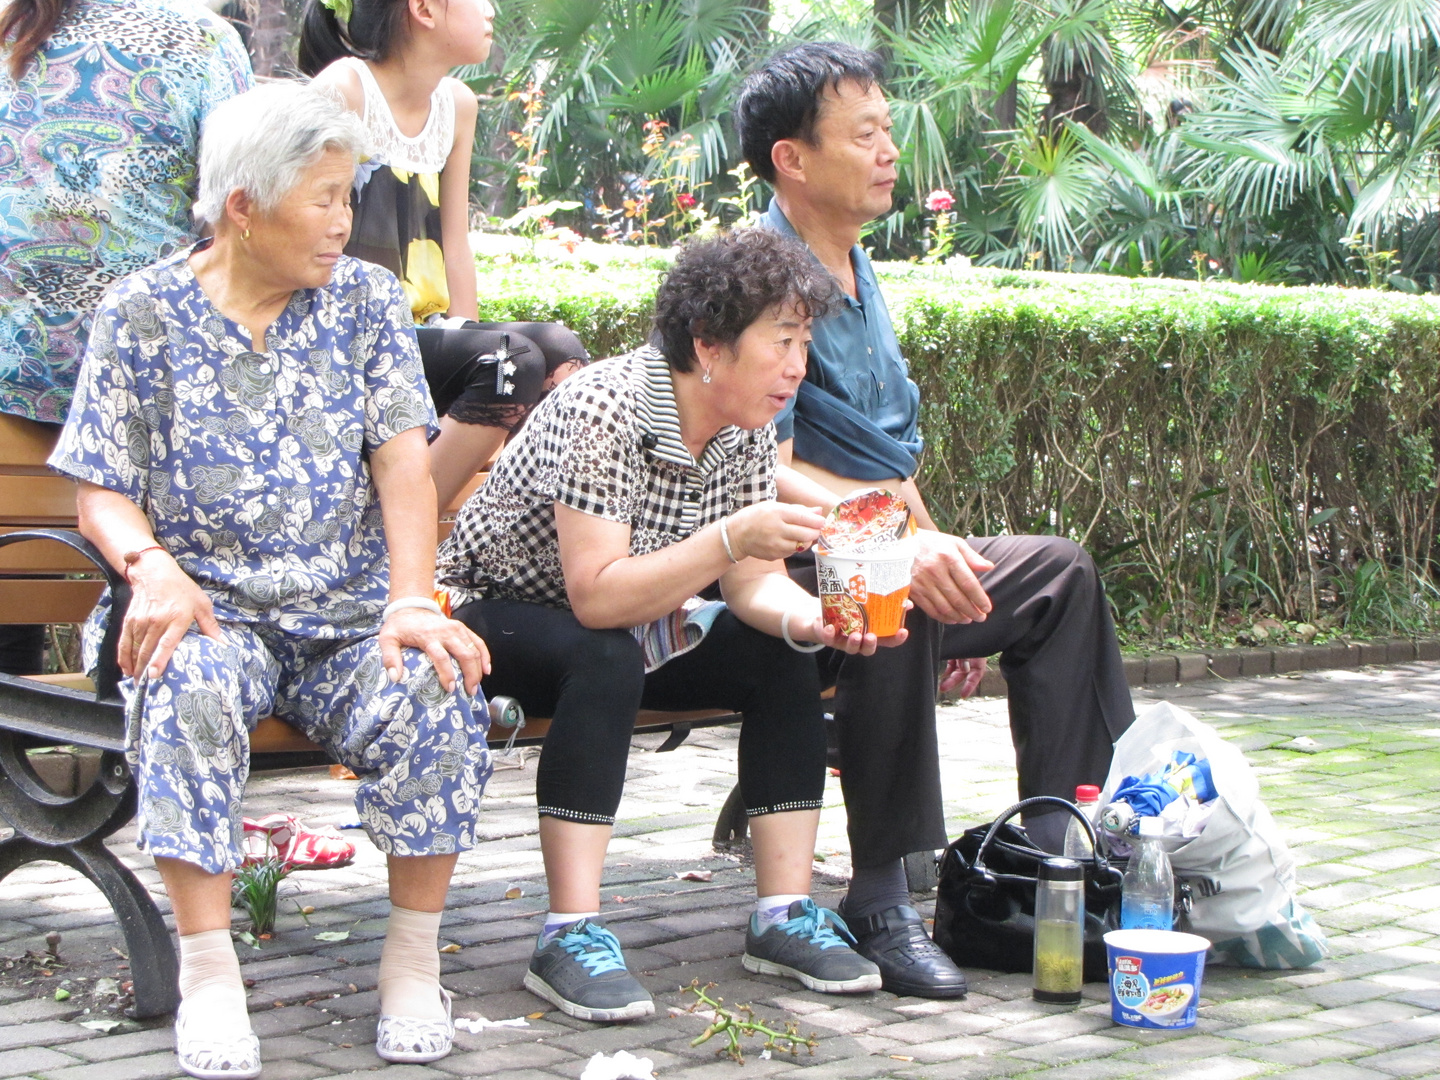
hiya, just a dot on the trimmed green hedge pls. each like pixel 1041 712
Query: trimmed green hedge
pixel 1218 447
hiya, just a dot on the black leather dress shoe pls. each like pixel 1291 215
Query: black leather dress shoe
pixel 910 963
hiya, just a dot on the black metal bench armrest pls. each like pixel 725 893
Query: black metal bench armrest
pixel 107 672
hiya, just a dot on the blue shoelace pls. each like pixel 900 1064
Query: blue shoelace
pixel 814 924
pixel 594 947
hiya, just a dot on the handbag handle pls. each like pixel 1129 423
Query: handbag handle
pixel 1097 862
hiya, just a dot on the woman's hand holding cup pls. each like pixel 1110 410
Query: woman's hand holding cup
pixel 812 627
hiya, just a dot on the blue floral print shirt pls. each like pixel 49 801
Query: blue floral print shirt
pixel 98 145
pixel 253 468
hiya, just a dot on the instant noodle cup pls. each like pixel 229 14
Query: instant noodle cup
pixel 867 521
pixel 865 594
pixel 1155 977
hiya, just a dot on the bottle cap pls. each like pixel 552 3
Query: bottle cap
pixel 1087 793
pixel 1151 826
pixel 1061 870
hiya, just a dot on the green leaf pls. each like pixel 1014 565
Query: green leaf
pixel 333 935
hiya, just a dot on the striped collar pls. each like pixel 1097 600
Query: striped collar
pixel 659 417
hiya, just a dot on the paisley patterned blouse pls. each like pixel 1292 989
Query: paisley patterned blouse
pixel 253 468
pixel 98 144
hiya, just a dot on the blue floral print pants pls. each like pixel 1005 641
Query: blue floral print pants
pixel 419 752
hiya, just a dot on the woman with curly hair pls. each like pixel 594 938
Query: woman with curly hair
pixel 636 485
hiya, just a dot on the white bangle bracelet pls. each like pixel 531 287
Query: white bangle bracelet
pixel 785 633
pixel 404 602
pixel 725 539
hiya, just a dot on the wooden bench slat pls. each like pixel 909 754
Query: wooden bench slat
pixel 41 557
pixel 24 444
pixel 37 500
pixel 55 601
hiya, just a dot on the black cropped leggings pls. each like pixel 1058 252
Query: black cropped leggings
pixel 592 683
pixel 493 373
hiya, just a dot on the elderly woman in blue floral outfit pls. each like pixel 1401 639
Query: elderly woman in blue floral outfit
pixel 249 430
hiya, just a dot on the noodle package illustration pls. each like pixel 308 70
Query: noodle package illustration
pixel 863 563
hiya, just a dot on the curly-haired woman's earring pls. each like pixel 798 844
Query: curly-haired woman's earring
pixel 705 376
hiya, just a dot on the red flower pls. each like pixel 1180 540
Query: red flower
pixel 939 201
pixel 686 201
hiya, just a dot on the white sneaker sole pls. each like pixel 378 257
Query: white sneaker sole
pixel 858 985
pixel 633 1011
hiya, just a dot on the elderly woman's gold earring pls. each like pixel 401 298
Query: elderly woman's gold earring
pixel 245 235
pixel 705 376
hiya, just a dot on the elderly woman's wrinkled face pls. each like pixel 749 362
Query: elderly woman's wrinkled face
pixel 762 370
pixel 300 240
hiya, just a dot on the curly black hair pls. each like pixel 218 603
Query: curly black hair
pixel 721 284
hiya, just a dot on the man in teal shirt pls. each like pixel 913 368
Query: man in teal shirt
pixel 815 124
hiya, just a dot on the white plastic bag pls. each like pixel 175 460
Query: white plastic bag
pixel 1241 872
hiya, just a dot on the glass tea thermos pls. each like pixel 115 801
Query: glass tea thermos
pixel 1059 931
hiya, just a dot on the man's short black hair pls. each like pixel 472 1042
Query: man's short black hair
pixel 721 284
pixel 781 99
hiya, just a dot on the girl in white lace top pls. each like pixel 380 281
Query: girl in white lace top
pixel 389 60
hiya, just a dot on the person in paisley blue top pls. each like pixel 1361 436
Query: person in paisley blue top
pixel 101 103
pixel 249 432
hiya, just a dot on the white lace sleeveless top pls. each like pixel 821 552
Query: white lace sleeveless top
pixel 426 152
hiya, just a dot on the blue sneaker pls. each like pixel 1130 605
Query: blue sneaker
pixel 812 945
pixel 582 973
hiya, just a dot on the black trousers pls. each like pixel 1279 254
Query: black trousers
pixel 1069 699
pixel 592 682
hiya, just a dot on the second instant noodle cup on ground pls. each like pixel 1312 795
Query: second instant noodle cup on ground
pixel 863 564
pixel 1155 977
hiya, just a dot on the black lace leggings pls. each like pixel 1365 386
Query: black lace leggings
pixel 493 373
pixel 592 683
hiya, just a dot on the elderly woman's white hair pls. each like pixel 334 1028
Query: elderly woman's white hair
pixel 263 140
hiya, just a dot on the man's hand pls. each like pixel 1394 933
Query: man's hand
pixel 164 603
pixel 944 582
pixel 440 639
pixel 965 674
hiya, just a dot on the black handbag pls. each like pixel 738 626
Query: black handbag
pixel 985 903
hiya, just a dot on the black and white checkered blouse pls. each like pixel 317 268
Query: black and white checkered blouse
pixel 606 442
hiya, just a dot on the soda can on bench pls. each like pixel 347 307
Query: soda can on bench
pixel 1155 977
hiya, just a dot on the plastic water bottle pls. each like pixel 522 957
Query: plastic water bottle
pixel 1147 896
pixel 1077 843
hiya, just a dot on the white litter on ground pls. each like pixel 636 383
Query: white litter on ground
pixel 622 1066
pixel 479 1023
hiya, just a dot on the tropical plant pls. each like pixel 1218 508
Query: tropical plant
pixel 609 72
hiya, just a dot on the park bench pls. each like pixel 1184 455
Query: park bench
pixel 42 560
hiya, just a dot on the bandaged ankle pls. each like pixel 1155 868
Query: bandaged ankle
pixel 210 982
pixel 409 978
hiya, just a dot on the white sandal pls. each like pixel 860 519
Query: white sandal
pixel 406 1039
pixel 215 1059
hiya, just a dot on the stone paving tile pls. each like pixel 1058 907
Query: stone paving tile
pixel 1337 1070
pixel 1359 814
pixel 1412 1061
pixel 33 1059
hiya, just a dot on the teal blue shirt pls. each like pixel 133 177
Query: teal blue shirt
pixel 855 357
